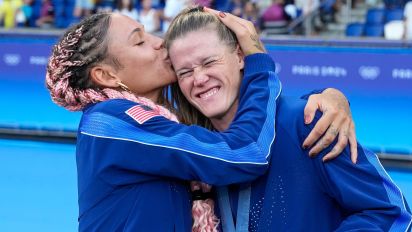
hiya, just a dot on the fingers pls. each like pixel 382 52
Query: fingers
pixel 336 113
pixel 345 136
pixel 338 148
pixel 325 141
pixel 310 109
pixel 353 143
pixel 319 129
pixel 245 32
pixel 229 20
pixel 331 134
pixel 232 22
pixel 331 155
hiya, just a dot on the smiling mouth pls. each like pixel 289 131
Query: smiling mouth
pixel 209 93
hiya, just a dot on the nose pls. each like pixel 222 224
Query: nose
pixel 158 43
pixel 199 77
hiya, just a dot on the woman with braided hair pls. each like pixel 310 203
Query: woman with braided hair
pixel 133 158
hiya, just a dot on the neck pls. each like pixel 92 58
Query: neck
pixel 223 122
pixel 153 96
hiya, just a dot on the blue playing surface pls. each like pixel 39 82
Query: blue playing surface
pixel 39 187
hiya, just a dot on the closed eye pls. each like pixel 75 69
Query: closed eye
pixel 184 74
pixel 139 43
pixel 210 62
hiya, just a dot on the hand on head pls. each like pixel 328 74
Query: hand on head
pixel 245 32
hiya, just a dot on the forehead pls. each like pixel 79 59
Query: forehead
pixel 197 44
pixel 122 26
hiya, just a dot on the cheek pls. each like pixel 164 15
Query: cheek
pixel 185 87
pixel 236 87
pixel 235 78
pixel 144 60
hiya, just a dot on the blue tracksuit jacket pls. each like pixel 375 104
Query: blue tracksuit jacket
pixel 131 170
pixel 300 193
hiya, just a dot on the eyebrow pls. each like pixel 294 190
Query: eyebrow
pixel 203 60
pixel 136 30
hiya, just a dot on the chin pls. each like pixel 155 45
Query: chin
pixel 213 114
pixel 206 113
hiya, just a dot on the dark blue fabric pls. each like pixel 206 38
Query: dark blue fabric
pixel 300 193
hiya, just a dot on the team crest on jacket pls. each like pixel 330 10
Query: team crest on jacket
pixel 141 113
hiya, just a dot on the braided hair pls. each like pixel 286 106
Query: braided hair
pixel 82 47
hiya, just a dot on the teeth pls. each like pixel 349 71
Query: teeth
pixel 209 93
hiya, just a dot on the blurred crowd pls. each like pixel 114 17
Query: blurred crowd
pixel 156 15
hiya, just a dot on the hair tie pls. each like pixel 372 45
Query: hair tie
pixel 200 195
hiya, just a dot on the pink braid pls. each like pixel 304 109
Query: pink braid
pixel 203 211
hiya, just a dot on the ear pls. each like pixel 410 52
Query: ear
pixel 104 75
pixel 241 57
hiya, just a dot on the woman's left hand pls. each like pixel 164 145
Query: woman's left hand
pixel 244 30
pixel 336 121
